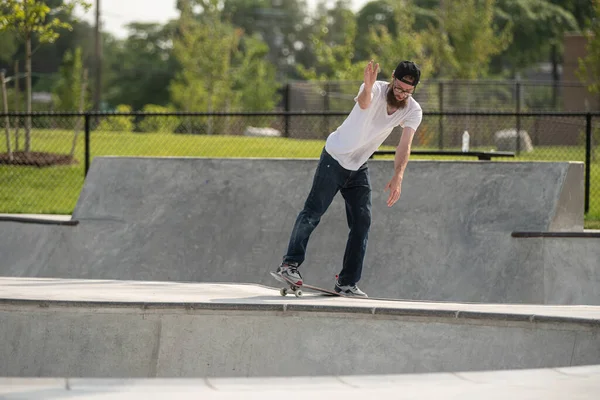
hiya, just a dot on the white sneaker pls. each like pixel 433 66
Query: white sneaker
pixel 349 290
pixel 290 272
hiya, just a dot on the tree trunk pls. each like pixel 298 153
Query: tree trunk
pixel 28 81
pixel 17 105
pixel 98 59
pixel 81 107
pixel 7 121
pixel 555 75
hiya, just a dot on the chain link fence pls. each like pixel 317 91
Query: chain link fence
pixel 44 156
pixel 455 95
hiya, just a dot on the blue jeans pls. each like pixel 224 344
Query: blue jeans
pixel 355 186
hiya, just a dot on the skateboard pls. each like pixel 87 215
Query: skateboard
pixel 297 290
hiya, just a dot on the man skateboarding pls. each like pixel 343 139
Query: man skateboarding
pixel 380 107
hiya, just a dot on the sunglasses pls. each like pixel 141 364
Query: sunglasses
pixel 399 90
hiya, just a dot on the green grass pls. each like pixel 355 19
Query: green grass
pixel 176 145
pixel 54 190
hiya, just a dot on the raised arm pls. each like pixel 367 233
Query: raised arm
pixel 364 98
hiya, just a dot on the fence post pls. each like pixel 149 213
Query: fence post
pixel 518 89
pixel 287 106
pixel 440 121
pixel 326 108
pixel 588 159
pixel 87 144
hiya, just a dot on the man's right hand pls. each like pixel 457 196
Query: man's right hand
pixel 364 98
pixel 371 74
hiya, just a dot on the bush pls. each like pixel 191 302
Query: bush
pixel 118 123
pixel 157 123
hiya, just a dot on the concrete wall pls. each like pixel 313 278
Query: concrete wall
pixel 128 342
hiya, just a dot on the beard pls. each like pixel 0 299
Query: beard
pixel 393 101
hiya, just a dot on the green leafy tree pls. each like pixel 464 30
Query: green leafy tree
pixel 70 93
pixel 403 43
pixel 332 42
pixel 537 28
pixel 588 71
pixel 581 10
pixel 466 38
pixel 589 66
pixel 141 67
pixel 29 19
pixel 281 24
pixel 255 79
pixel 204 48
pixel 8 40
pixel 67 92
pixel 8 44
pixel 373 16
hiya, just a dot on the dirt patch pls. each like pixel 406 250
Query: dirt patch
pixel 36 159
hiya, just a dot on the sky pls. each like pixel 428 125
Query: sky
pixel 118 13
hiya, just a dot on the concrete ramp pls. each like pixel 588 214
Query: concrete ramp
pixel 229 220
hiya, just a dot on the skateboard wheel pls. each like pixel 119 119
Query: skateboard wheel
pixel 283 291
pixel 298 293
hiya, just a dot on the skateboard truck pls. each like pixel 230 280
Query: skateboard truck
pixel 292 289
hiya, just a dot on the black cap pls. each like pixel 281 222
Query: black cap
pixel 408 68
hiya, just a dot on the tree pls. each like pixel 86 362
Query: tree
pixel 373 16
pixel 537 28
pixel 8 44
pixel 403 43
pixel 141 67
pixel 466 38
pixel 255 79
pixel 332 42
pixel 67 91
pixel 581 10
pixel 70 92
pixel 589 66
pixel 29 18
pixel 281 24
pixel 204 49
pixel 6 119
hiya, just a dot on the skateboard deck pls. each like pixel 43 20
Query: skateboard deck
pixel 297 289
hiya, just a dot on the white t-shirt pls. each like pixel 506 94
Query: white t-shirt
pixel 363 131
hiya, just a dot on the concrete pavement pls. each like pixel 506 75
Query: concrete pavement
pixel 576 383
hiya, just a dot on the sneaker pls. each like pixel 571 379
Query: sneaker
pixel 289 273
pixel 349 290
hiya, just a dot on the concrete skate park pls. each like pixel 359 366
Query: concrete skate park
pixel 482 282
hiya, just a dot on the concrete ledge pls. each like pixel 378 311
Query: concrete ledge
pixel 36 293
pixel 584 234
pixel 312 308
pixel 45 219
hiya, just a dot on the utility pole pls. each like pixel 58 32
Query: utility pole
pixel 98 60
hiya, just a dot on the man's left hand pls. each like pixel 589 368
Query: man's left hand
pixel 395 187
